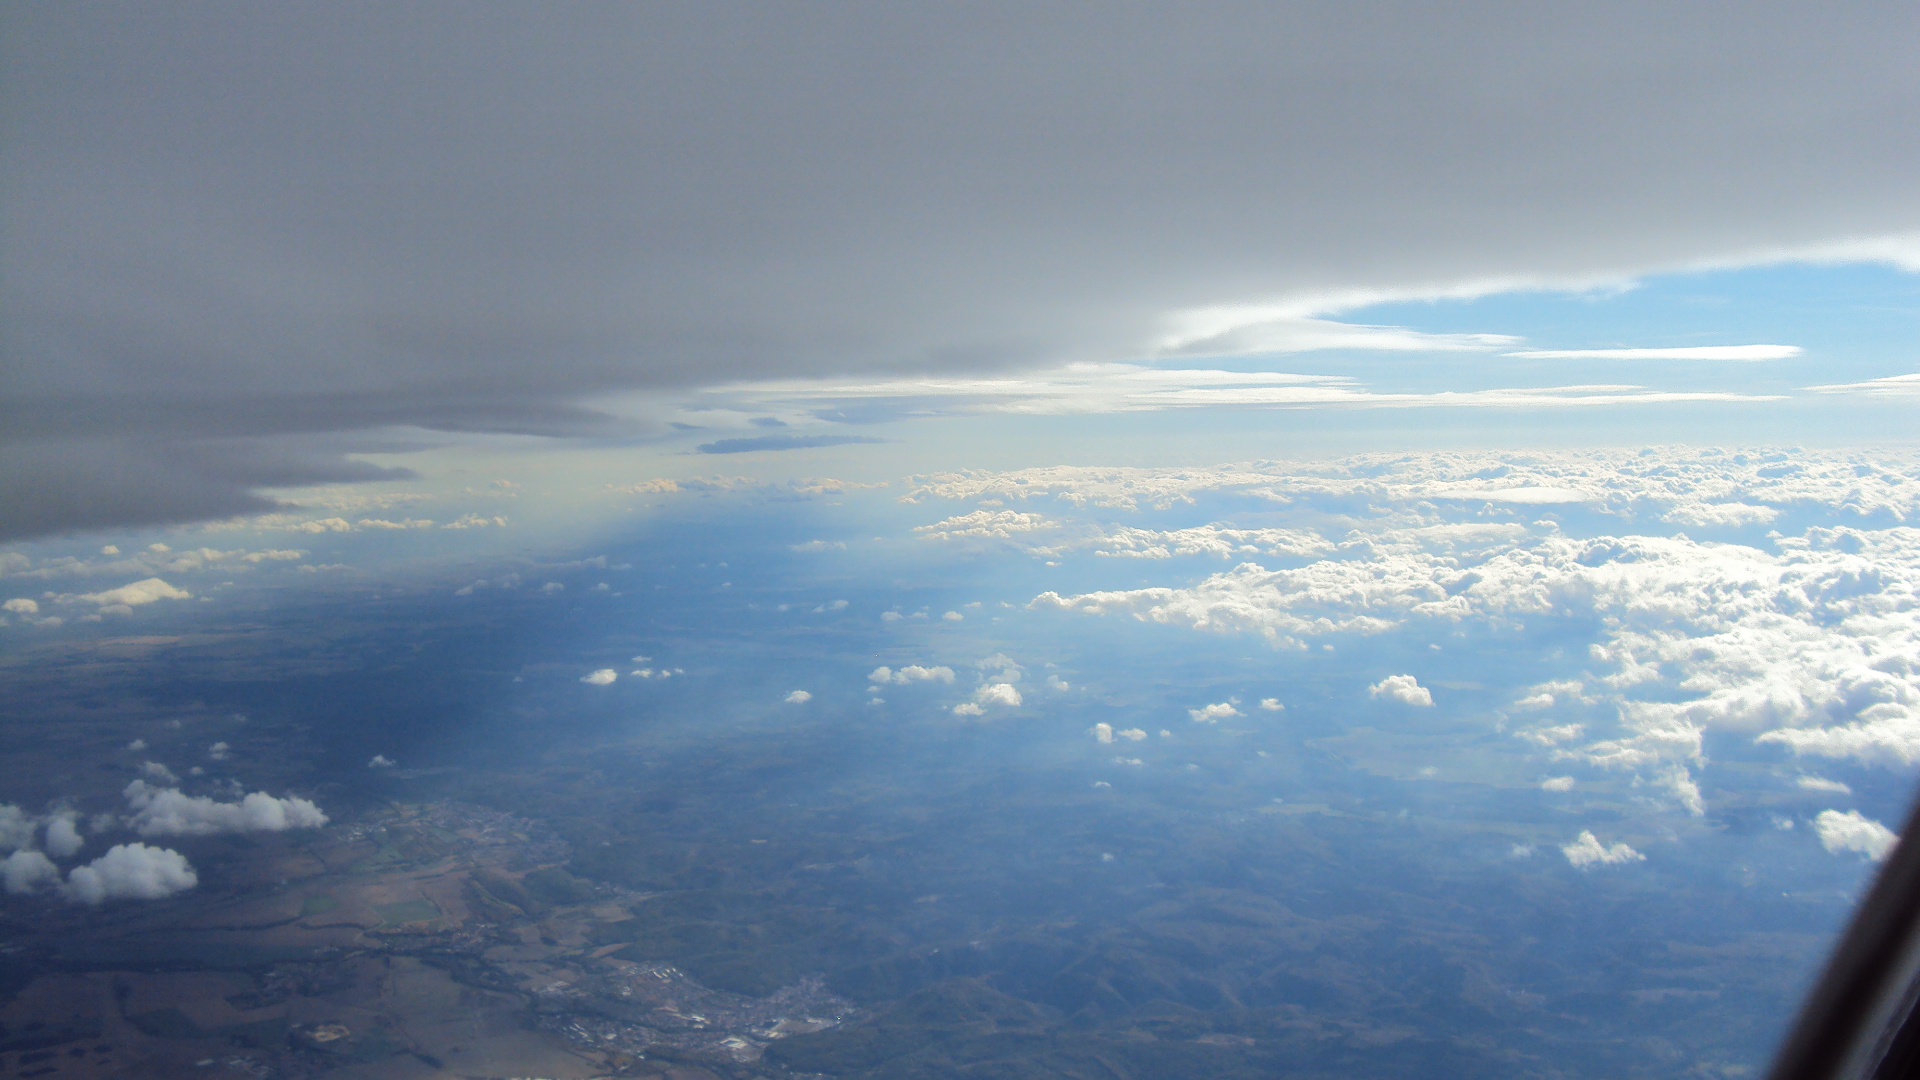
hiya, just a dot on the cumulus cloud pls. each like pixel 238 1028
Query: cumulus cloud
pixel 1814 646
pixel 602 677
pixel 162 811
pixel 26 870
pixel 21 605
pixel 149 591
pixel 1271 704
pixel 912 673
pixel 1207 714
pixel 1102 732
pixel 1586 851
pixel 63 835
pixel 1402 688
pixel 130 872
pixel 381 761
pixel 1720 515
pixel 1557 783
pixel 998 694
pixel 17 827
pixel 220 751
pixel 159 773
pixel 799 697
pixel 988 696
pixel 1853 831
pixel 986 525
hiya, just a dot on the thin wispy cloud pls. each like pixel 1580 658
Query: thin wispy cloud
pixel 1696 352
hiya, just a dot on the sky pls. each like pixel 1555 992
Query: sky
pixel 1471 438
pixel 257 249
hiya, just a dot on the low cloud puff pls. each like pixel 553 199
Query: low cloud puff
pixel 1853 831
pixel 799 697
pixel 63 835
pixel 1821 783
pixel 1587 851
pixel 987 696
pixel 169 812
pixel 130 872
pixel 1207 714
pixel 1402 688
pixel 1557 783
pixel 25 871
pixel 882 675
pixel 16 828
pixel 148 591
pixel 603 677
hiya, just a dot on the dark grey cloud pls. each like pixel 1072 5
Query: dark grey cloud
pixel 781 442
pixel 237 219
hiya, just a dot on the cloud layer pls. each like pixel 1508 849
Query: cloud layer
pixel 515 210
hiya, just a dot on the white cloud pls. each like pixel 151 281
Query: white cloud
pixel 1553 736
pixel 63 835
pixel 17 827
pixel 20 605
pixel 799 697
pixel 1106 387
pixel 137 745
pixel 1102 732
pixel 1586 851
pixel 153 770
pixel 1821 783
pixel 168 812
pixel 602 677
pixel 1852 831
pixel 1720 515
pixel 1692 352
pixel 985 524
pixel 381 761
pixel 1893 386
pixel 1058 683
pixel 1008 670
pixel 1132 734
pixel 1557 783
pixel 1402 688
pixel 953 616
pixel 910 674
pixel 148 591
pixel 890 616
pixel 987 696
pixel 26 870
pixel 220 751
pixel 998 694
pixel 130 872
pixel 1207 714
pixel 552 588
pixel 1272 704
pixel 819 545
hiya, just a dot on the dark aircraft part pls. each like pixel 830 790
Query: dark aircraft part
pixel 1859 1023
